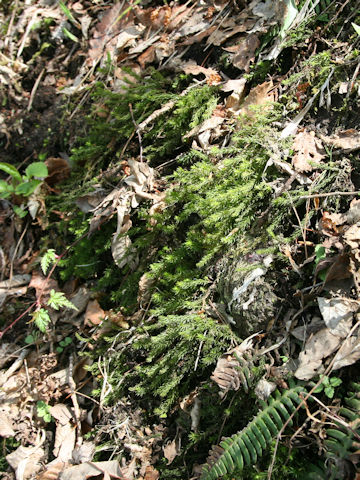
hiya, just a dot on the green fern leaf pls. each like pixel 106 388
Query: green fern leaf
pixel 41 319
pixel 48 259
pixel 58 300
pixel 245 447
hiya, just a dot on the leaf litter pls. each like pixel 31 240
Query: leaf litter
pixel 137 36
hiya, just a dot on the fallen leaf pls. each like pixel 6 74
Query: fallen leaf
pixel 61 413
pixel 53 470
pixel 172 450
pixel 151 473
pixel 259 95
pixel 338 314
pixel 65 437
pixel 307 147
pixel 347 140
pixel 58 170
pixel 246 52
pixel 6 425
pixel 191 68
pixel 26 461
pixel 42 285
pixel 93 469
pixel 94 314
pixel 348 353
pixel 318 346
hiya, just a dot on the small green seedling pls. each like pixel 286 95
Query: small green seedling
pixel 328 385
pixel 22 185
pixel 64 343
pixel 43 411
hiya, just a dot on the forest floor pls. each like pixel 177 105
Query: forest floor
pixel 180 239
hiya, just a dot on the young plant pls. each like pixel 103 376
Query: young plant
pixel 328 385
pixel 43 411
pixel 56 300
pixel 22 185
pixel 64 343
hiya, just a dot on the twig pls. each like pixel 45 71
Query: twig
pixel 199 352
pixel 15 252
pixel 73 396
pixel 35 87
pixel 302 228
pixel 137 129
pixel 330 194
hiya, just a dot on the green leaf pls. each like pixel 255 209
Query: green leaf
pixel 41 319
pixel 10 170
pixel 5 188
pixel 37 169
pixel 319 253
pixel 43 411
pixel 29 339
pixel 48 259
pixel 27 188
pixel 356 28
pixel 58 300
pixel 19 211
pixel 70 35
pixel 59 349
pixel 319 388
pixel 329 392
pixel 335 381
pixel 68 14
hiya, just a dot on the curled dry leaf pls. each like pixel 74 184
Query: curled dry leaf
pixel 53 470
pixel 347 140
pixel 307 148
pixel 6 425
pixel 348 353
pixel 151 473
pixel 94 314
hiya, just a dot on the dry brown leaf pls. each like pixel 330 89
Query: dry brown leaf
pixel 92 469
pixel 61 413
pixel 65 437
pixel 6 425
pixel 26 461
pixel 259 95
pixel 151 473
pixel 94 314
pixel 352 236
pixel 106 30
pixel 53 470
pixel 172 450
pixel 347 140
pixel 348 353
pixel 246 52
pixel 338 314
pixel 319 346
pixel 58 169
pixel 307 147
pixel 191 68
pixel 42 284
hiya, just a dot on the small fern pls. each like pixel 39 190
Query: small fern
pixel 342 441
pixel 247 446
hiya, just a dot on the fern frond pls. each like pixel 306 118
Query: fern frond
pixel 342 441
pixel 245 447
pixel 233 369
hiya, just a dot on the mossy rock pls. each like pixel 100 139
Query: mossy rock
pixel 246 287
